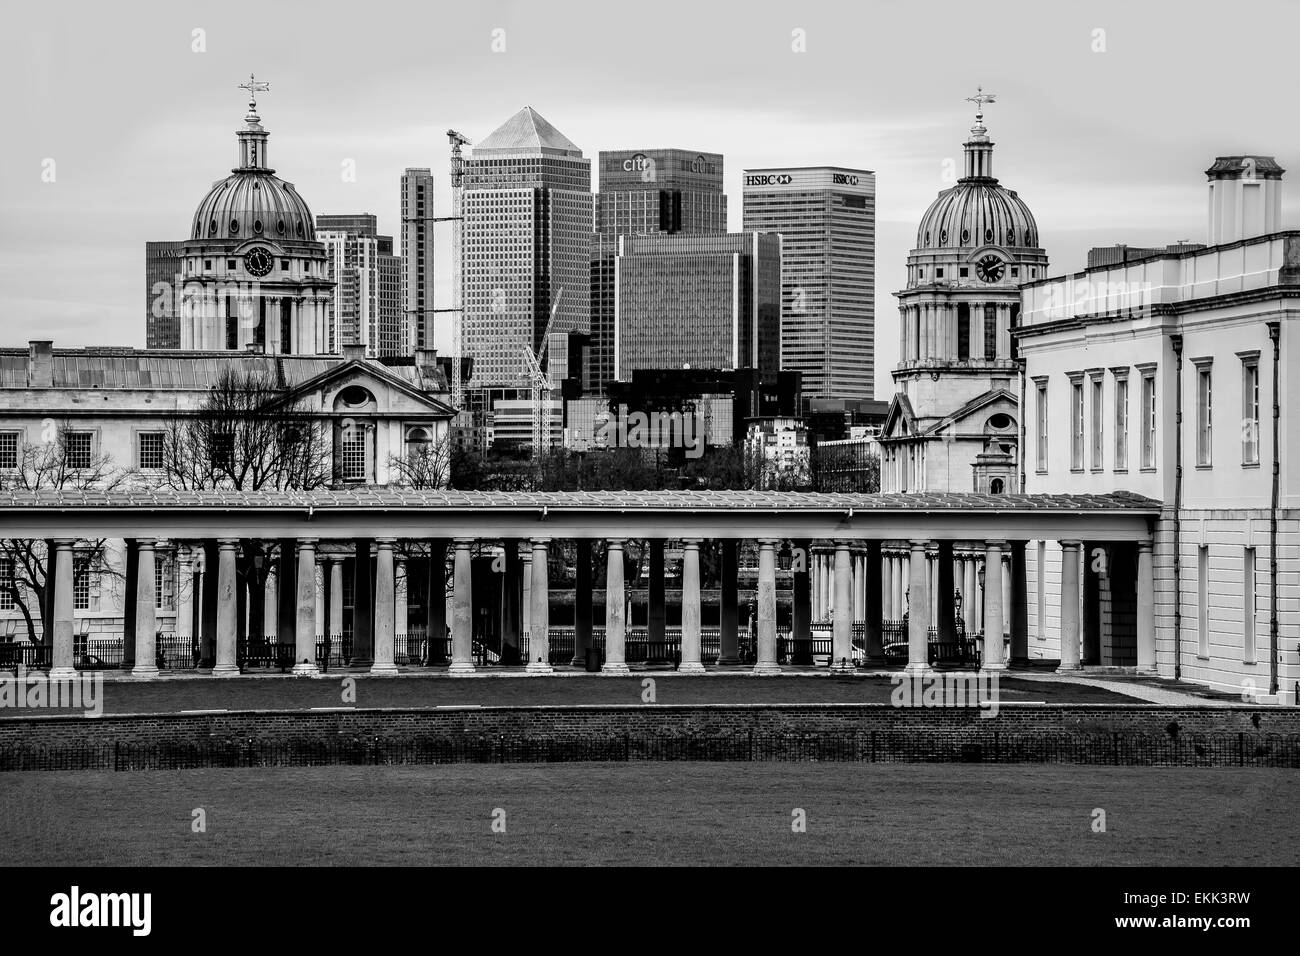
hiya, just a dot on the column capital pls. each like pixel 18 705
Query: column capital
pixel 385 544
pixel 333 558
pixel 464 543
pixel 307 543
pixel 1071 545
pixel 1146 545
pixel 692 542
pixel 923 544
pixel 146 543
pixel 540 542
pixel 615 543
pixel 995 544
pixel 769 542
pixel 227 544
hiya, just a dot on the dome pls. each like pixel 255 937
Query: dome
pixel 251 204
pixel 977 213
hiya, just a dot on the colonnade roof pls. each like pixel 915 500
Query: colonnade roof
pixel 586 514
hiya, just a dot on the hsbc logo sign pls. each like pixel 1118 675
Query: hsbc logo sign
pixel 769 179
pixel 843 179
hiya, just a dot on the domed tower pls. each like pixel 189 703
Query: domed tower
pixel 954 423
pixel 254 274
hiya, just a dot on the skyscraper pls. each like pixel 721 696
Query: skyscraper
pixel 826 216
pixel 645 191
pixel 697 301
pixel 417 258
pixel 526 247
pixel 367 307
pixel 162 294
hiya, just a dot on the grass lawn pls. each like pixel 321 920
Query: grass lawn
pixel 290 693
pixel 668 813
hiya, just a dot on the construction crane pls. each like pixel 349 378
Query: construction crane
pixel 457 346
pixel 541 384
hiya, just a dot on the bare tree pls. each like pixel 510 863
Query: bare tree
pixel 248 435
pixel 428 466
pixel 61 462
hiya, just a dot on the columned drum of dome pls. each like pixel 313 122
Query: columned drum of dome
pixel 253 275
pixel 954 423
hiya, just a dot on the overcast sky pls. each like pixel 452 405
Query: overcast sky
pixel 1108 113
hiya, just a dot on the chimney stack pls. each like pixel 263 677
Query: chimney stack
pixel 1245 198
pixel 40 363
pixel 354 353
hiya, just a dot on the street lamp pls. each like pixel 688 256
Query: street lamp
pixel 957 602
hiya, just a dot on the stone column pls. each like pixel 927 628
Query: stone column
pixel 226 665
pixel 875 611
pixel 526 589
pixel 286 626
pixel 615 605
pixel 146 612
pixel 385 608
pixel 656 616
pixel 1018 609
pixel 61 665
pixel 690 663
pixel 436 612
pixel 582 601
pixel 513 618
pixel 334 630
pixel 539 637
pixel 208 615
pixel 918 611
pixel 842 625
pixel 304 618
pixel 1070 610
pixel 729 603
pixel 184 595
pixel 270 604
pixel 900 587
pixel 1146 609
pixel 994 658
pixel 363 629
pixel 766 663
pixel 462 610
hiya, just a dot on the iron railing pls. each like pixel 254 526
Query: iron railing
pixel 969 745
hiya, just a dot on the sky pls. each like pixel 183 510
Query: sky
pixel 120 116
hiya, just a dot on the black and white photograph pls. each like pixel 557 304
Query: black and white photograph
pixel 589 434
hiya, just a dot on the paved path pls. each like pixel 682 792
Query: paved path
pixel 1142 691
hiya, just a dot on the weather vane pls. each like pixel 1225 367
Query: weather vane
pixel 254 86
pixel 979 99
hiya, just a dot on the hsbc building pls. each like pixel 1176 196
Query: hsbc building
pixel 826 216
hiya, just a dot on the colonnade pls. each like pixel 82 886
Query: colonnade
pixel 843 581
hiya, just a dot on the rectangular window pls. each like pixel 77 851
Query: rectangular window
pixel 8 449
pixel 1148 419
pixel 353 447
pixel 1041 412
pixel 1203 600
pixel 81 584
pixel 151 450
pixel 1121 424
pixel 1042 590
pixel 77 449
pixel 1204 415
pixel 1250 411
pixel 163 582
pixel 6 584
pixel 1098 430
pixel 1248 606
pixel 223 450
pixel 1076 426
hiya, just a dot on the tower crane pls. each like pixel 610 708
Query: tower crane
pixel 540 381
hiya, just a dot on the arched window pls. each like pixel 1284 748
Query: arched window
pixel 963 333
pixel 996 486
pixel 990 332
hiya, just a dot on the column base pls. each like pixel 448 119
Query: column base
pixel 539 667
pixel 386 669
pixel 617 669
pixel 305 669
pixel 843 666
pixel 917 670
pixel 460 668
pixel 1069 669
pixel 998 666
pixel 145 673
pixel 691 667
pixel 767 668
pixel 225 670
pixel 63 673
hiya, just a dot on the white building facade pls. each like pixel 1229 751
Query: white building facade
pixel 1167 376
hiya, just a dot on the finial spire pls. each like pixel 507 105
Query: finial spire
pixel 979 99
pixel 254 86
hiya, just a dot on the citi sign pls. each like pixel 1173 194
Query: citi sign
pixel 769 179
pixel 638 162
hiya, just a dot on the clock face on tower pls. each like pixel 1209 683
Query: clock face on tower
pixel 990 268
pixel 258 261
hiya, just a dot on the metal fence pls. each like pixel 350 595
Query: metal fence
pixel 894 746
